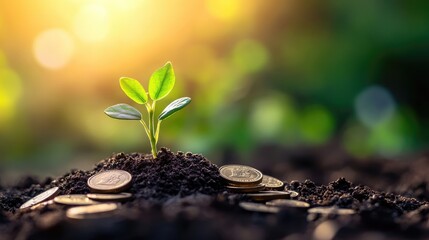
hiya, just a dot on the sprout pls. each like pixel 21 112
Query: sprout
pixel 160 84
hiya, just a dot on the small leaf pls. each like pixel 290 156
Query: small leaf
pixel 133 89
pixel 123 111
pixel 161 82
pixel 174 106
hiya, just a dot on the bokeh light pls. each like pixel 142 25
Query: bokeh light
pixel 53 48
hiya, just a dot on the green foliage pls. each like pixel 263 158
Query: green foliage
pixel 160 85
pixel 123 111
pixel 161 82
pixel 173 107
pixel 133 89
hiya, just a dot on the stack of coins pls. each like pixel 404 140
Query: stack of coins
pixel 259 188
pixel 107 187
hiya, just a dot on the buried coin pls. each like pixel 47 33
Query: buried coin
pixel 74 199
pixel 293 194
pixel 288 203
pixel 46 195
pixel 91 211
pixel 331 211
pixel 264 196
pixel 272 183
pixel 109 197
pixel 258 207
pixel 240 174
pixel 112 181
pixel 246 189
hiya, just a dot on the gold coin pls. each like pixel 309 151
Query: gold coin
pixel 240 174
pixel 42 205
pixel 109 197
pixel 331 211
pixel 257 207
pixel 74 199
pixel 46 195
pixel 288 203
pixel 246 189
pixel 112 181
pixel 91 211
pixel 264 196
pixel 293 194
pixel 272 183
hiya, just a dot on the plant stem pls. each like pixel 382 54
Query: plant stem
pixel 151 111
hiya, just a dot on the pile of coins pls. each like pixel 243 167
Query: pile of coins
pixel 107 187
pixel 267 194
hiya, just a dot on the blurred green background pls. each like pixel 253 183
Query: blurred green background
pixel 285 73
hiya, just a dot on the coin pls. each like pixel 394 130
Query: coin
pixel 257 207
pixel 331 211
pixel 272 183
pixel 293 194
pixel 246 189
pixel 109 197
pixel 240 174
pixel 91 211
pixel 46 195
pixel 264 196
pixel 288 203
pixel 42 205
pixel 112 181
pixel 74 199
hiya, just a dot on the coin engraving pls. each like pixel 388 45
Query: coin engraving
pixel 91 211
pixel 271 182
pixel 46 195
pixel 111 181
pixel 240 174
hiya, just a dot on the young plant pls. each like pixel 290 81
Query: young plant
pixel 160 84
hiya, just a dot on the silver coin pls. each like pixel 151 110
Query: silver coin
pixel 44 196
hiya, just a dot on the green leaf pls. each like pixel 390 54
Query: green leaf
pixel 123 111
pixel 161 82
pixel 174 106
pixel 133 89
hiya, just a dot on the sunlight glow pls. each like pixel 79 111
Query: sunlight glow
pixel 53 48
pixel 91 23
pixel 10 91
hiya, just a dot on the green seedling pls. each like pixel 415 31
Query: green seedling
pixel 160 84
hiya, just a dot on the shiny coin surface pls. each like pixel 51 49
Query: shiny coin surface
pixel 293 194
pixel 109 197
pixel 74 199
pixel 246 189
pixel 42 205
pixel 331 211
pixel 288 203
pixel 112 181
pixel 272 183
pixel 46 195
pixel 257 207
pixel 240 174
pixel 264 196
pixel 92 211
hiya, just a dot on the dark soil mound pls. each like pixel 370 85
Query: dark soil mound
pixel 181 196
pixel 156 181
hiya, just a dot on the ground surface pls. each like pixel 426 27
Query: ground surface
pixel 182 196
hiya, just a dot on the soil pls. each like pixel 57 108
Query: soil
pixel 181 196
